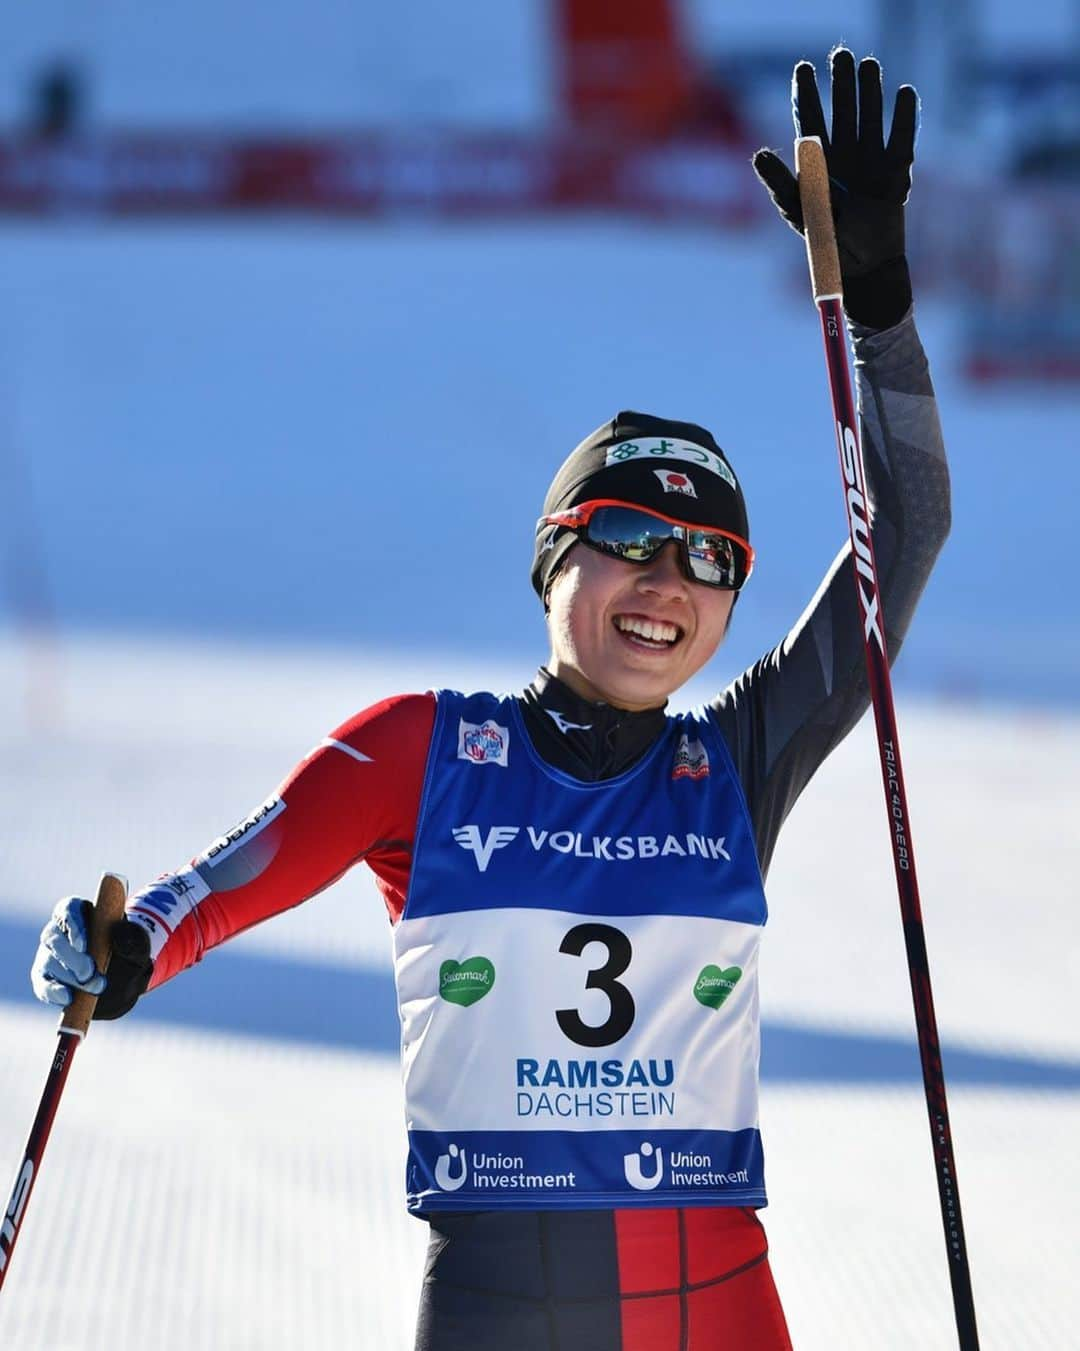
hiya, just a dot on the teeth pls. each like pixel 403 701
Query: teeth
pixel 653 629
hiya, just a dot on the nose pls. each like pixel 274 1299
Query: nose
pixel 663 574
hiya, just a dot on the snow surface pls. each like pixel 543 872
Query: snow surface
pixel 226 1167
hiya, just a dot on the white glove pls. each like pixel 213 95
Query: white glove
pixel 62 963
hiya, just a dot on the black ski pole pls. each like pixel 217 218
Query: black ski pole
pixel 827 287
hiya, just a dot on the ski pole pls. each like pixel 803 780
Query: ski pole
pixel 74 1023
pixel 827 287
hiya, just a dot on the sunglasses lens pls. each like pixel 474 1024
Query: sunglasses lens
pixel 715 559
pixel 628 534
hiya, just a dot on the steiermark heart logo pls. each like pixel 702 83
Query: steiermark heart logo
pixel 713 986
pixel 465 982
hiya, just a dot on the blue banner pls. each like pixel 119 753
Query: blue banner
pixel 583 1170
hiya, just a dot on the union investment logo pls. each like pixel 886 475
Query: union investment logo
pixel 483 846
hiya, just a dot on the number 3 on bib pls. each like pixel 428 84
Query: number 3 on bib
pixel 619 954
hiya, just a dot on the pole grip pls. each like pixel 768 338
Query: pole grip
pixel 108 908
pixel 813 176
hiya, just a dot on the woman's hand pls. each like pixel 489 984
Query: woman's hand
pixel 870 181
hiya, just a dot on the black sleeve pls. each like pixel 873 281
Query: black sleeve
pixel 783 716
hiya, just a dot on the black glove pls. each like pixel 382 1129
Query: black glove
pixel 870 182
pixel 130 969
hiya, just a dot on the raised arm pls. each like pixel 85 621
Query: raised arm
pixel 783 716
pixel 788 711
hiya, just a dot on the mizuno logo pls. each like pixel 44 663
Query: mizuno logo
pixel 564 726
pixel 351 751
pixel 498 837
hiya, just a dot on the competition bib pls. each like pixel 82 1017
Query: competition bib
pixel 576 970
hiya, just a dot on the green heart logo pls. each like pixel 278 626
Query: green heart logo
pixel 465 982
pixel 713 986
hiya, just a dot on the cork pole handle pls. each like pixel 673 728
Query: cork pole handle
pixel 108 908
pixel 813 176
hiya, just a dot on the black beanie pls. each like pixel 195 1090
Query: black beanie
pixel 675 468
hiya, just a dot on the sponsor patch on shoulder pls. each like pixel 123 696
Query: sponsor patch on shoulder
pixel 691 760
pixel 250 826
pixel 484 743
pixel 674 482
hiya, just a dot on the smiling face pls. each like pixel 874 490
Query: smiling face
pixel 631 633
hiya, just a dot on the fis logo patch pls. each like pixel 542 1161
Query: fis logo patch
pixel 674 482
pixel 484 743
pixel 691 760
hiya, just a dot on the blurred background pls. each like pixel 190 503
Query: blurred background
pixel 300 308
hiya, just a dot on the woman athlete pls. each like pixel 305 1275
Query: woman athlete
pixel 574 875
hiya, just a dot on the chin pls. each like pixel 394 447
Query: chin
pixel 644 692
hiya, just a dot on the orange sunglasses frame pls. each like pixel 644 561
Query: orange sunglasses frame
pixel 579 516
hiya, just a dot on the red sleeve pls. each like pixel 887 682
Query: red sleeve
pixel 356 796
